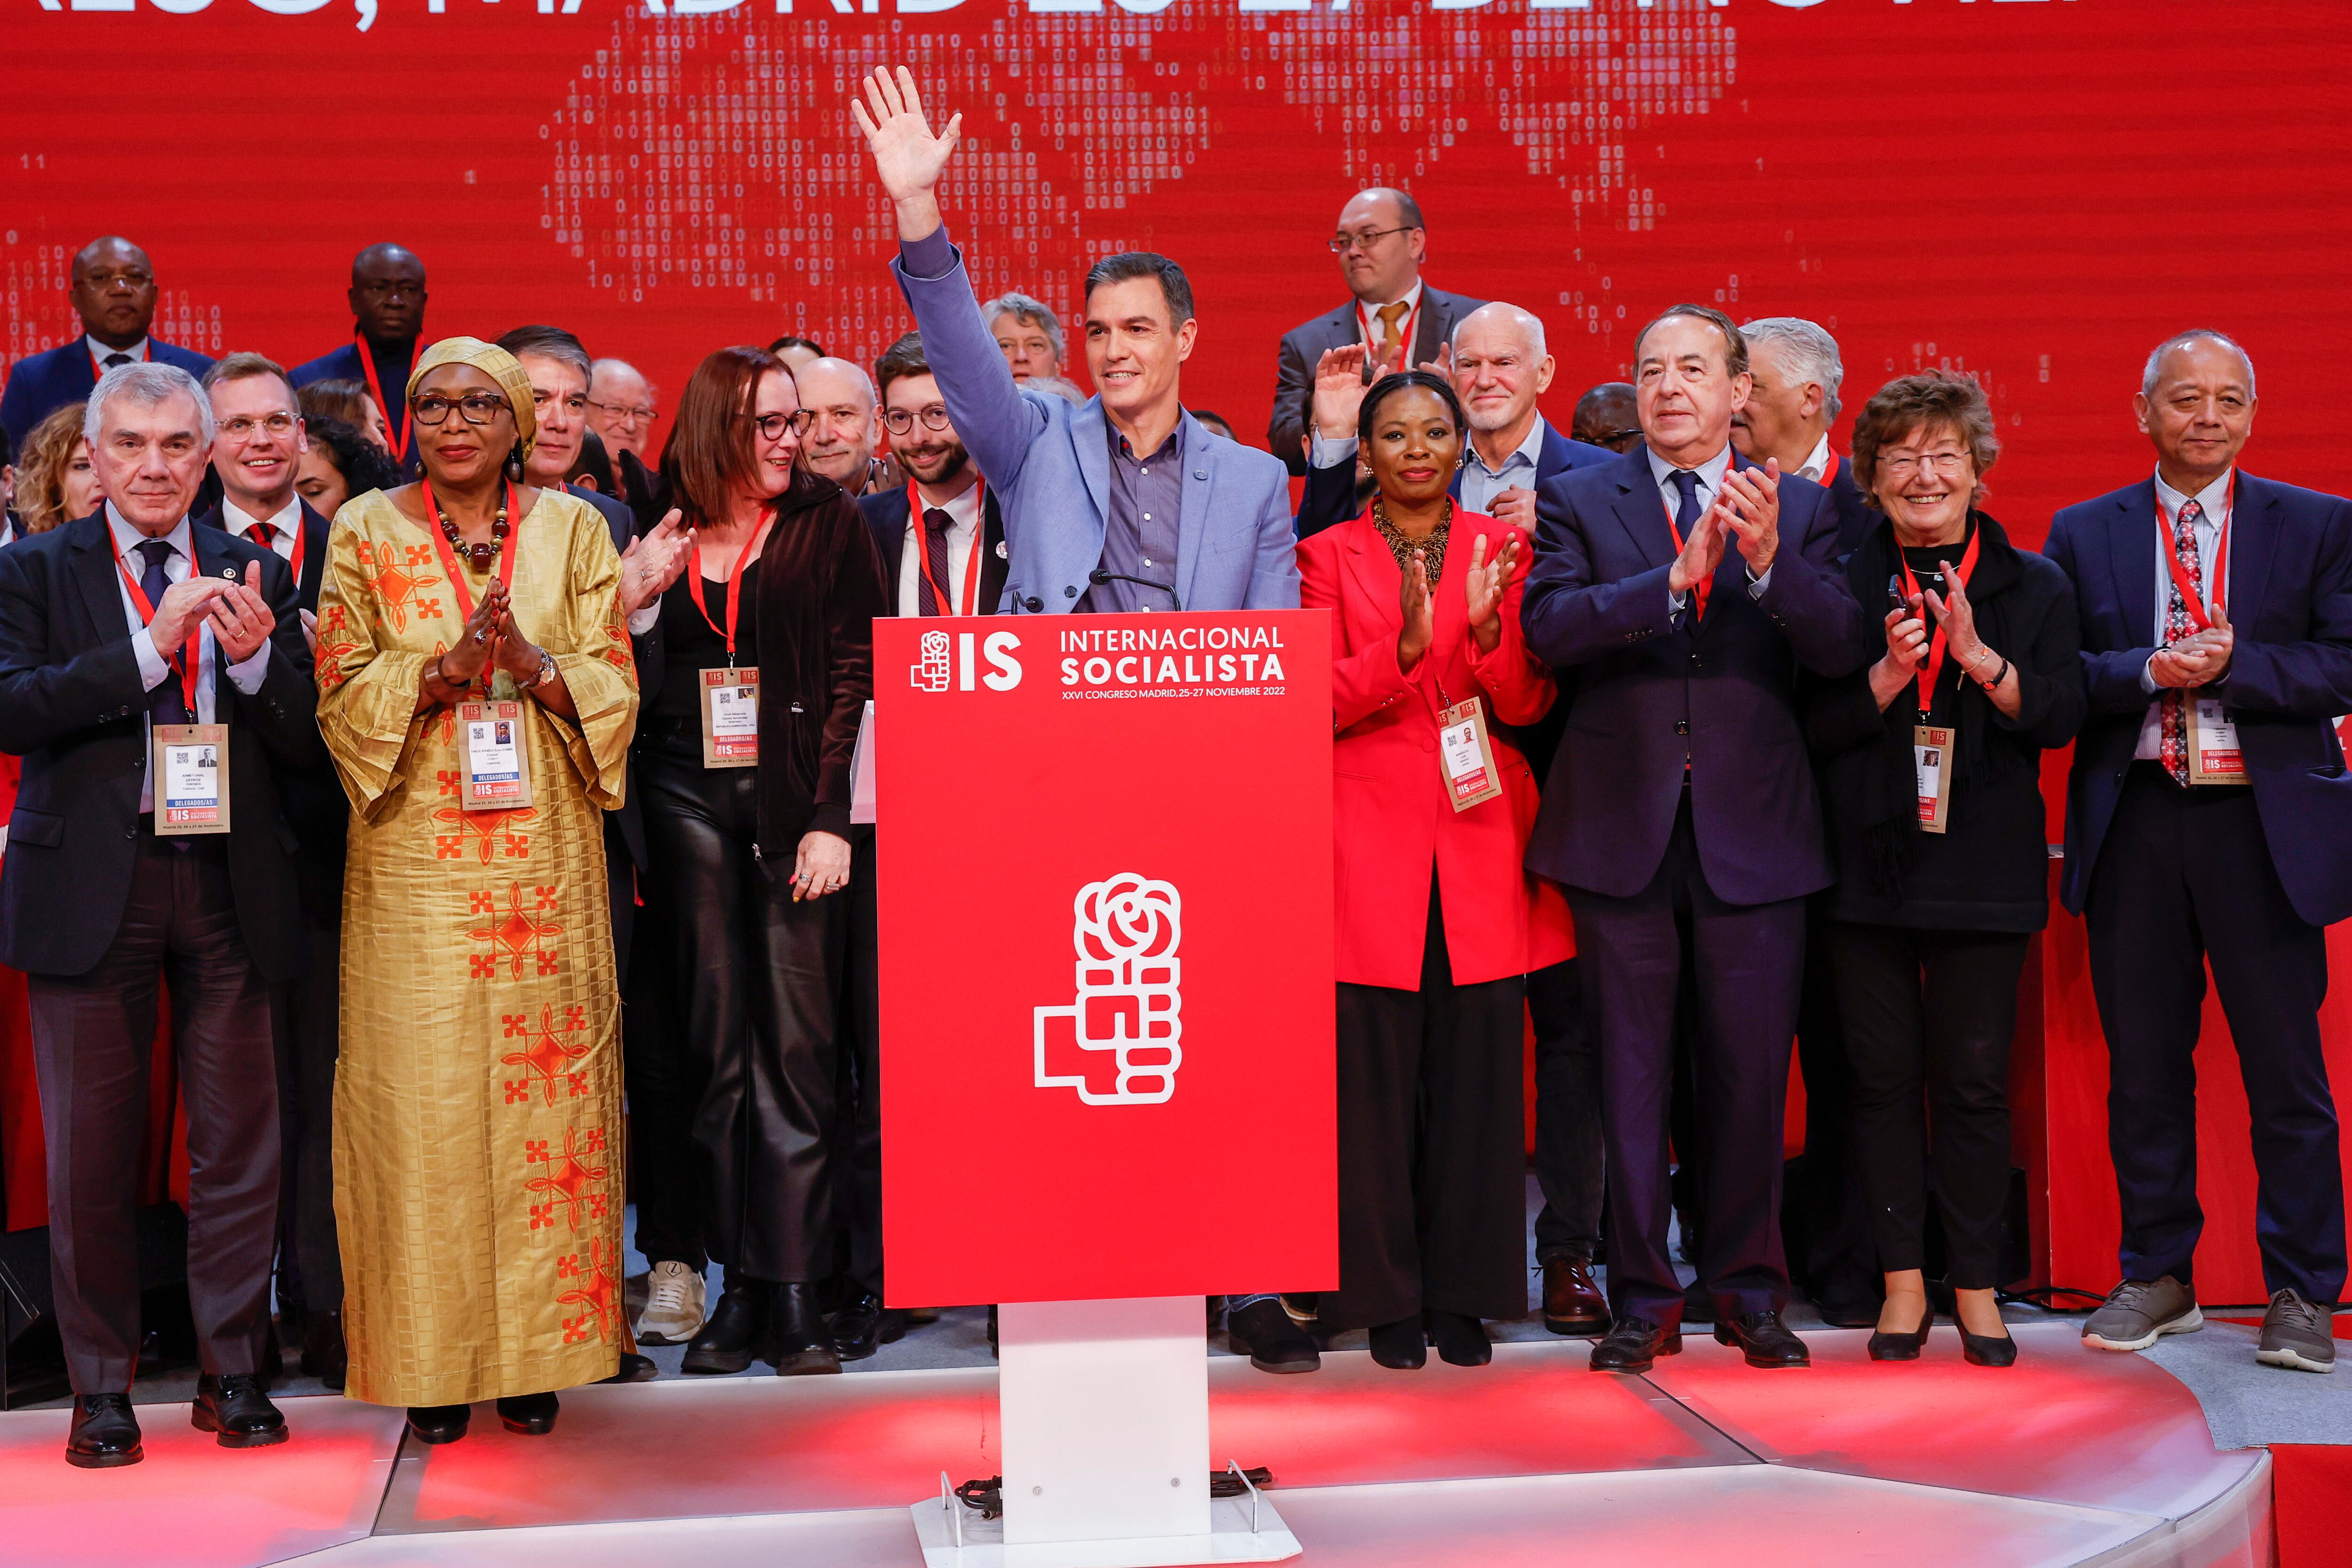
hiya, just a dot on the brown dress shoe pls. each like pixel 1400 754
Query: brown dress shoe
pixel 1572 1303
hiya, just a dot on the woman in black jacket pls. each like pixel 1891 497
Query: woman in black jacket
pixel 1931 767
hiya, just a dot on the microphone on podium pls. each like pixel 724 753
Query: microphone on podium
pixel 1099 577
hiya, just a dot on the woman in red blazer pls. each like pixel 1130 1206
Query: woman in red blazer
pixel 1438 923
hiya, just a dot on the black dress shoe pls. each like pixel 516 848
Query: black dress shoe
pixel 324 1355
pixel 1461 1339
pixel 1988 1350
pixel 1274 1343
pixel 801 1343
pixel 1401 1346
pixel 236 1407
pixel 865 1326
pixel 532 1415
pixel 1572 1303
pixel 736 1333
pixel 105 1433
pixel 438 1423
pixel 1631 1344
pixel 1764 1339
pixel 635 1368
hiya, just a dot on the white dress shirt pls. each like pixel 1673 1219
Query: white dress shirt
pixel 245 675
pixel 1481 484
pixel 963 527
pixel 100 353
pixel 2213 500
pixel 284 527
pixel 1710 484
pixel 1818 464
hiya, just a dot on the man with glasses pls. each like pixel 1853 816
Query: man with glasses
pixel 839 438
pixel 1399 321
pixel 621 410
pixel 387 301
pixel 114 291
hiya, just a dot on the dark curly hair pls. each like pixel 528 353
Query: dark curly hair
pixel 364 465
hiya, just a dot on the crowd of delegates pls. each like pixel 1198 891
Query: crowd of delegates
pixel 514 719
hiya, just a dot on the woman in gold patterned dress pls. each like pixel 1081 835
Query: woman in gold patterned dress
pixel 478 1101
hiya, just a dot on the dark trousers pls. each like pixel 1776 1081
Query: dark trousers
pixel 664 1082
pixel 2185 877
pixel 1929 1018
pixel 1433 1176
pixel 306 1027
pixel 1835 1262
pixel 1747 961
pixel 92 1034
pixel 858 1141
pixel 761 980
pixel 1569 1164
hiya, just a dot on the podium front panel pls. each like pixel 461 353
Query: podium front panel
pixel 1103 849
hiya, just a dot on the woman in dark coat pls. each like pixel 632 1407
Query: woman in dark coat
pixel 1931 765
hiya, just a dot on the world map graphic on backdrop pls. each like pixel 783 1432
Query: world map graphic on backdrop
pixel 1941 182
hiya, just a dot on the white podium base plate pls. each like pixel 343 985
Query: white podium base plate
pixel 1230 1540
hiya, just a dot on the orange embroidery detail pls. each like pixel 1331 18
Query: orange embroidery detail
pixel 490 831
pixel 599 1293
pixel 515 934
pixel 547 1057
pixel 574 1183
pixel 395 582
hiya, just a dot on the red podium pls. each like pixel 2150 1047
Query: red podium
pixel 1103 868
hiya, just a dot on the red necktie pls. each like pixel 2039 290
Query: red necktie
pixel 2174 713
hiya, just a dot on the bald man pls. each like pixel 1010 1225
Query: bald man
pixel 387 301
pixel 1381 244
pixel 840 443
pixel 112 288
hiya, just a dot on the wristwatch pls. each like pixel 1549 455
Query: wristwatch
pixel 546 671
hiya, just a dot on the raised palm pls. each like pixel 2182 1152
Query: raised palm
pixel 906 154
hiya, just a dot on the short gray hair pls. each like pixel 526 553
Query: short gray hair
pixel 2182 340
pixel 146 383
pixel 1026 308
pixel 1812 353
pixel 1527 320
pixel 548 342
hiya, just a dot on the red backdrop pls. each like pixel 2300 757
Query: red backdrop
pixel 2033 191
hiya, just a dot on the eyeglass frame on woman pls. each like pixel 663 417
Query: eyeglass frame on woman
pixel 898 421
pixel 800 419
pixel 494 405
pixel 1364 238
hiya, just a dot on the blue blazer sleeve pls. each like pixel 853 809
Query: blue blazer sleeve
pixel 996 421
pixel 2311 678
pixel 1330 500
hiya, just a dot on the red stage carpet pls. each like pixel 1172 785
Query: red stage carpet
pixel 2072 1457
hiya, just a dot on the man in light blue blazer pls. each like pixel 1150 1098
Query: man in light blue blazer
pixel 1125 502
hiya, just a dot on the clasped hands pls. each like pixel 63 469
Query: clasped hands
pixel 2197 659
pixel 241 617
pixel 1482 588
pixel 490 638
pixel 1746 509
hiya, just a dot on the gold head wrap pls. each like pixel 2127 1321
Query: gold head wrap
pixel 499 366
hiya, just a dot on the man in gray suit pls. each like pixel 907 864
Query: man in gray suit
pixel 1125 501
pixel 1398 321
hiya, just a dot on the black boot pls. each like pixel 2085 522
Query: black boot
pixel 736 1333
pixel 1401 1346
pixel 237 1406
pixel 802 1341
pixel 105 1433
pixel 438 1423
pixel 1461 1339
pixel 532 1415
pixel 865 1326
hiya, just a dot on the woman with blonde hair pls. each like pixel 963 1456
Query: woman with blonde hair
pixel 55 480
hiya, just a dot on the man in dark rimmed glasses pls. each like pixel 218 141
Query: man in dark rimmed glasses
pixel 114 294
pixel 1380 243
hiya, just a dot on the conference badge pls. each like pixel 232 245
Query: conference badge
pixel 191 774
pixel 1466 756
pixel 493 773
pixel 731 718
pixel 2214 754
pixel 1931 757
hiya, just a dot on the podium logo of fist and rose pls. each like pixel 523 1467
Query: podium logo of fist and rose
pixel 1126 929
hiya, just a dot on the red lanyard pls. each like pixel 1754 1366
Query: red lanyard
pixel 2197 614
pixel 186 663
pixel 259 534
pixel 1935 664
pixel 1829 472
pixel 98 371
pixel 734 585
pixel 939 594
pixel 1404 338
pixel 375 390
pixel 1700 589
pixel 506 550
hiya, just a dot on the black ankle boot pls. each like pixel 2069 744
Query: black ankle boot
pixel 1461 1339
pixel 532 1415
pixel 438 1423
pixel 1403 1346
pixel 736 1333
pixel 802 1343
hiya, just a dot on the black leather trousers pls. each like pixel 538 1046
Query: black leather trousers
pixel 759 980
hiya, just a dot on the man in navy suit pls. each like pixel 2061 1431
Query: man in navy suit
pixel 1799 375
pixel 387 299
pixel 1681 812
pixel 2173 870
pixel 113 293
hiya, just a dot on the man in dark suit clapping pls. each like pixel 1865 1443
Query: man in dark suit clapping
pixel 110 625
pixel 1681 812
pixel 2209 820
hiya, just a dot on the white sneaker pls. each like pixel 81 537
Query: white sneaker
pixel 674 1310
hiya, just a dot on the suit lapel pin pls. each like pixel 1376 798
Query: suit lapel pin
pixel 1199 473
pixel 228 572
pixel 1002 554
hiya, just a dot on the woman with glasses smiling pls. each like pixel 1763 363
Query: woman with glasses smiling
pixel 1931 766
pixel 744 761
pixel 478 1127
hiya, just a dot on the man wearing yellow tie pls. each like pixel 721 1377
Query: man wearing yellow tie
pixel 1380 243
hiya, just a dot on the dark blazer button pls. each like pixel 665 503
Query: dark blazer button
pixel 1694 661
pixel 1681 726
pixel 1068 592
pixel 131 833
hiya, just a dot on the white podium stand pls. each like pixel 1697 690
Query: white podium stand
pixel 1105 1414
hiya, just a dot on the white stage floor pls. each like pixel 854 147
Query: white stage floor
pixel 2073 1457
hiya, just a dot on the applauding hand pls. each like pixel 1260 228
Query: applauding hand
pixel 1419 618
pixel 1484 584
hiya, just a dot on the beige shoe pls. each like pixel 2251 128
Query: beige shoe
pixel 674 1305
pixel 2138 1312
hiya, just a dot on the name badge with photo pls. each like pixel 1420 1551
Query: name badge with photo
pixel 1931 756
pixel 731 718
pixel 2214 754
pixel 1466 756
pixel 191 776
pixel 493 772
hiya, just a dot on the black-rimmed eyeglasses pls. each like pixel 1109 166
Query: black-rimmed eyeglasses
pixel 478 407
pixel 898 421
